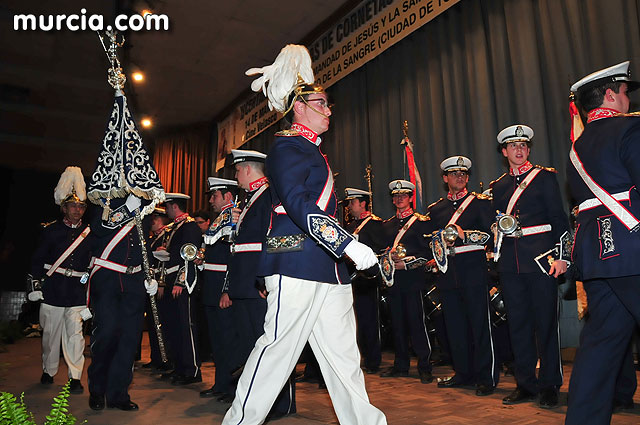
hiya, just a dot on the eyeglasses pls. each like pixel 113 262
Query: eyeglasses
pixel 322 102
pixel 457 174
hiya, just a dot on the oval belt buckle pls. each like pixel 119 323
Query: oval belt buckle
pixel 68 272
pixel 129 270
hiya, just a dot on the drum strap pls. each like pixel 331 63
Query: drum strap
pixel 521 187
pixel 403 230
pixel 457 213
pixel 68 251
pixel 364 223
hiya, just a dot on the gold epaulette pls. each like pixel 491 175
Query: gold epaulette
pixel 496 180
pixel 45 225
pixel 482 196
pixel 431 205
pixel 389 219
pixel 422 217
pixel 550 169
pixel 189 219
pixel 375 217
pixel 631 114
pixel 287 133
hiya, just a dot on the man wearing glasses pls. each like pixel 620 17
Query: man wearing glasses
pixel 528 198
pixel 464 285
pixel 405 232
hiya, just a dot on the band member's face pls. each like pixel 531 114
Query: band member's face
pixel 157 223
pixel 73 211
pixel 456 180
pixel 402 201
pixel 202 223
pixel 316 114
pixel 517 153
pixel 242 176
pixel 217 201
pixel 356 207
pixel 620 100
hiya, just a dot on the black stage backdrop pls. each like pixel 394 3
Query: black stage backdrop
pixel 479 67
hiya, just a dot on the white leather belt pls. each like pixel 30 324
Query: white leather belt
pixel 246 247
pixel 594 202
pixel 280 210
pixel 215 267
pixel 63 271
pixel 117 267
pixel 532 230
pixel 171 270
pixel 468 248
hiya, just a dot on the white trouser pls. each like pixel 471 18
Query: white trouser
pixel 300 310
pixel 62 323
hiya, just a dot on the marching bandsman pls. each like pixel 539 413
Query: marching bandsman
pixel 117 292
pixel 405 235
pixel 308 299
pixel 243 288
pixel 180 279
pixel 531 223
pixel 603 173
pixel 58 277
pixel 464 285
pixel 222 329
pixel 366 297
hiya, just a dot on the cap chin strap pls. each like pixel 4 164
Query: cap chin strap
pixel 312 108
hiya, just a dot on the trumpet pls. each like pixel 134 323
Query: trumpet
pixel 189 252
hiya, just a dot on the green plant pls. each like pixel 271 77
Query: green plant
pixel 13 412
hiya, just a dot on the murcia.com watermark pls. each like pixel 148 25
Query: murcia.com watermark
pixel 82 22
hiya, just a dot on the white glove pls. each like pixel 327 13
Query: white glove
pixel 151 286
pixel 132 203
pixel 35 296
pixel 86 314
pixel 361 255
pixel 161 255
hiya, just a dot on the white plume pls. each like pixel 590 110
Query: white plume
pixel 280 78
pixel 71 180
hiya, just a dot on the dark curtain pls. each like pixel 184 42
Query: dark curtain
pixel 460 79
pixel 183 161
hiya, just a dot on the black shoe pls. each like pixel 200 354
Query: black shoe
pixel 392 372
pixel 46 379
pixel 123 405
pixel 619 405
pixel 226 398
pixel 163 367
pixel 322 385
pixel 484 390
pixel 96 401
pixel 186 380
pixel 169 376
pixel 210 393
pixel 150 365
pixel 307 378
pixel 371 370
pixel 274 416
pixel 75 387
pixel 548 398
pixel 519 395
pixel 452 382
pixel 425 376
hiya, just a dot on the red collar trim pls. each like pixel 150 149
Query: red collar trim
pixel 69 224
pixel 257 184
pixel 458 195
pixel 181 217
pixel 521 169
pixel 308 134
pixel 226 206
pixel 406 213
pixel 599 113
pixel 365 214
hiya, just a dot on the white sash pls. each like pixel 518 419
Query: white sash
pixel 112 244
pixel 68 251
pixel 403 230
pixel 457 213
pixel 253 199
pixel 364 222
pixel 616 208
pixel 521 187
